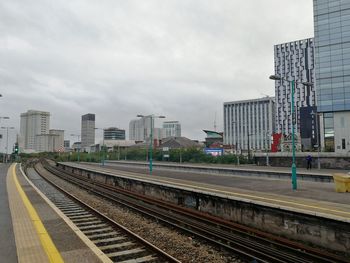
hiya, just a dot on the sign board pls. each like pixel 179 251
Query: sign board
pixel 214 151
pixel 166 155
pixel 165 149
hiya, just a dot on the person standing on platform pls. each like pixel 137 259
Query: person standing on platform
pixel 309 162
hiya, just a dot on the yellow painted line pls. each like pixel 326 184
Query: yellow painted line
pixel 240 194
pixel 49 247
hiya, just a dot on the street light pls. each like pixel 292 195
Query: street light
pixel 294 168
pixel 7 137
pixel 315 115
pixel 152 116
pixel 78 136
pixel 103 146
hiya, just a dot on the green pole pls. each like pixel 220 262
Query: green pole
pixel 294 168
pixel 151 147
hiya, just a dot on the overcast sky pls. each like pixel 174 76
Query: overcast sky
pixel 117 59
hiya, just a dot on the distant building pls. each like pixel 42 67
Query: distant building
pixel 33 123
pixel 294 61
pixel 52 142
pixel 213 139
pixel 76 146
pixel 58 142
pixel 113 133
pixel 171 129
pixel 87 130
pixel 140 130
pixel 249 123
pixel 66 143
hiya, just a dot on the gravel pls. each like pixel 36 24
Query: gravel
pixel 182 246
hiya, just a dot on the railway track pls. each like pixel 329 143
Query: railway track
pixel 118 243
pixel 249 244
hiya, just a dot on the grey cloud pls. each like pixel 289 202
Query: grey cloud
pixel 180 58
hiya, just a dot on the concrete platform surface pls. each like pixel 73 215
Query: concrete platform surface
pixel 32 235
pixel 244 167
pixel 7 240
pixel 310 197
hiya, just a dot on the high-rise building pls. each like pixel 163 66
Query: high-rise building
pixel 51 142
pixel 113 133
pixel 332 58
pixel 249 122
pixel 140 129
pixel 87 130
pixel 58 140
pixel 171 129
pixel 294 61
pixel 33 123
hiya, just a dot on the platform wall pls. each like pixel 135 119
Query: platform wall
pixel 327 233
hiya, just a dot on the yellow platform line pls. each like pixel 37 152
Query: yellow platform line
pixel 46 241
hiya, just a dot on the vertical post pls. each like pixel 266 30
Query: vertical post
pixel 151 147
pixel 267 149
pixel 318 143
pixel 79 148
pixel 104 150
pixel 294 168
pixel 7 140
pixel 180 155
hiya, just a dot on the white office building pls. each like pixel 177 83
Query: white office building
pixel 171 129
pixel 33 123
pixel 140 130
pixel 249 123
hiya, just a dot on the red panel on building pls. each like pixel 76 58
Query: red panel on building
pixel 276 141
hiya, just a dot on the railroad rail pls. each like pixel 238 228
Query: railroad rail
pixel 249 243
pixel 117 242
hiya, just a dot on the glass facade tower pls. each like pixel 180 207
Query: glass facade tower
pixel 332 38
pixel 332 58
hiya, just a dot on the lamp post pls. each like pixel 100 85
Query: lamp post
pixel 152 116
pixel 316 115
pixel 78 136
pixel 103 146
pixel 294 168
pixel 7 138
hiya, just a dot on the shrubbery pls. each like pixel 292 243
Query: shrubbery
pixel 190 155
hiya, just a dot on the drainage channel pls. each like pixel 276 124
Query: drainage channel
pixel 118 245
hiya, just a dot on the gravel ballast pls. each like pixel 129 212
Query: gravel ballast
pixel 180 245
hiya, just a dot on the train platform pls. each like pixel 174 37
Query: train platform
pixel 318 175
pixel 312 198
pixel 242 167
pixel 32 229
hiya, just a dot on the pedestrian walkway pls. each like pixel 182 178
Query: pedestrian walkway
pixel 33 243
pixel 7 240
